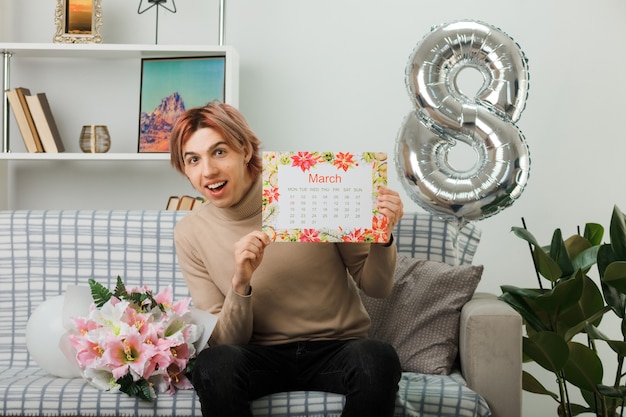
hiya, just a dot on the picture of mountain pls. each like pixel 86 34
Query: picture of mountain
pixel 169 86
pixel 155 127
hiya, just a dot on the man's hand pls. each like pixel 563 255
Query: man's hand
pixel 248 256
pixel 390 204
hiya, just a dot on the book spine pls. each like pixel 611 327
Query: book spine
pixel 22 122
pixel 22 93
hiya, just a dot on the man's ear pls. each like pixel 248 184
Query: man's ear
pixel 247 155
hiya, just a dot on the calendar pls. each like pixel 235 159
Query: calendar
pixel 324 196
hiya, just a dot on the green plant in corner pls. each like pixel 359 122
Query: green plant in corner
pixel 562 319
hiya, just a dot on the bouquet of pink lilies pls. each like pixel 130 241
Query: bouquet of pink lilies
pixel 135 341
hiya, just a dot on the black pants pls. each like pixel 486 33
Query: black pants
pixel 228 377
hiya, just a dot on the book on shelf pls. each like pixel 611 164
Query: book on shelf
pixel 184 202
pixel 172 203
pixel 44 122
pixel 24 119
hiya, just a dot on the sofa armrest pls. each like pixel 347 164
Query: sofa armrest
pixel 490 350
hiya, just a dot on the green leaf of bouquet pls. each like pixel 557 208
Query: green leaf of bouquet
pixel 139 389
pixel 120 289
pixel 583 367
pixel 548 349
pixel 531 384
pixel 99 293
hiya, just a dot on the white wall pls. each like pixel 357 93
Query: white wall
pixel 329 74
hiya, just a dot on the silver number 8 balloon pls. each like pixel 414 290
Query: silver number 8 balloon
pixel 444 116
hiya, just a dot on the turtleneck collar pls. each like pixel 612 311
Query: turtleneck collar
pixel 249 206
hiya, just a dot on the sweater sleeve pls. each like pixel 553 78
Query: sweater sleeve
pixel 234 311
pixel 372 266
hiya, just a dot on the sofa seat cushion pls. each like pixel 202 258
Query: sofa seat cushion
pixel 31 391
pixel 419 395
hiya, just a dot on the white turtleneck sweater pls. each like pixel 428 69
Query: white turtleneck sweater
pixel 301 291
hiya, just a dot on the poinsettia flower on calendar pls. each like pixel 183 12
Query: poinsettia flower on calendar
pixel 344 160
pixel 305 160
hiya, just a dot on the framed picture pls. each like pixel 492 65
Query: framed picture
pixel 169 86
pixel 78 21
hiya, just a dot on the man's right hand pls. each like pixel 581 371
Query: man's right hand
pixel 248 256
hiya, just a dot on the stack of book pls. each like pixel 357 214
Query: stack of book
pixel 184 202
pixel 35 121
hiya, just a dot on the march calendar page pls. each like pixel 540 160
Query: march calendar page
pixel 324 196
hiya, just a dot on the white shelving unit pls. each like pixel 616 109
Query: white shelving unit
pixel 90 84
pixel 74 156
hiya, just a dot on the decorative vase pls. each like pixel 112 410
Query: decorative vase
pixel 95 139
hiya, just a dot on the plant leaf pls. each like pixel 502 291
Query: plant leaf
pixel 614 298
pixel 559 253
pixel 576 410
pixel 520 300
pixel 617 232
pixel 99 293
pixel 588 304
pixel 526 235
pixel 618 346
pixel 564 295
pixel 606 256
pixel 580 327
pixel 548 349
pixel 615 275
pixel 583 367
pixel 586 259
pixel 575 245
pixel 594 233
pixel 546 266
pixel 531 384
pixel 613 392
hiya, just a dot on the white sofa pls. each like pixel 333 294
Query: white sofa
pixel 42 252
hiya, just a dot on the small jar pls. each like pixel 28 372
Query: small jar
pixel 95 139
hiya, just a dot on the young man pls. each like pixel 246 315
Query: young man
pixel 289 314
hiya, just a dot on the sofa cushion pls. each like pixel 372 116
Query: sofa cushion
pixel 418 396
pixel 420 317
pixel 421 235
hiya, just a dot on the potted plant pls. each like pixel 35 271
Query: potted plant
pixel 563 314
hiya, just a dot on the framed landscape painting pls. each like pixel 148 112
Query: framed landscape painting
pixel 169 86
pixel 78 21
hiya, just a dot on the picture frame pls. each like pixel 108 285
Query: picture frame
pixel 169 86
pixel 78 21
